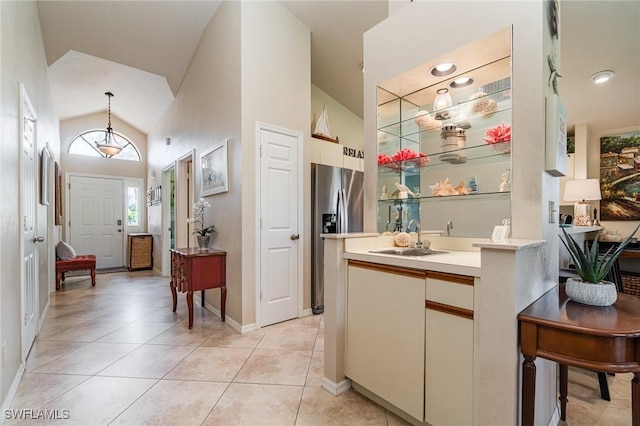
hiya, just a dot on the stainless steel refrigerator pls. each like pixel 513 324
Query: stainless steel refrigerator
pixel 337 203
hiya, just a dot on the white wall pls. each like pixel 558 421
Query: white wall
pixel 71 128
pixel 344 124
pixel 206 111
pixel 23 61
pixel 276 79
pixel 252 64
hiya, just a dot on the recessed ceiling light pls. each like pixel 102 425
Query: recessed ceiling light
pixel 461 82
pixel 443 69
pixel 602 76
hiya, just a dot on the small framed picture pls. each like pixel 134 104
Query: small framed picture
pixel 213 170
pixel 500 233
pixel 45 171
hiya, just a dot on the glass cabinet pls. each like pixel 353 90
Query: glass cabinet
pixel 444 150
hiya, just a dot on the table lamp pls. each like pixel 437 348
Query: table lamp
pixel 582 191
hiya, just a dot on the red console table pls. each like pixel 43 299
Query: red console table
pixel 192 270
pixel 605 339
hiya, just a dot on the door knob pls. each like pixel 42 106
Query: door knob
pixel 119 230
pixel 38 239
pixel 294 237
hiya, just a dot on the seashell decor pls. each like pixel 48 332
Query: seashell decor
pixel 443 189
pixel 402 239
pixel 424 120
pixel 482 105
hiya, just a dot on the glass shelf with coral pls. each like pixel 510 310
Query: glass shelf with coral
pixel 413 162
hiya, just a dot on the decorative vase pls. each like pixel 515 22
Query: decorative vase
pixel 603 293
pixel 203 242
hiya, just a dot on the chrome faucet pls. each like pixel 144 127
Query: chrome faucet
pixel 419 242
pixel 449 227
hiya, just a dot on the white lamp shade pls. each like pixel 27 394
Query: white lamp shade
pixel 442 100
pixel 582 189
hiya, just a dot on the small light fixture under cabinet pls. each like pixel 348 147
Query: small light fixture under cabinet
pixel 461 82
pixel 443 69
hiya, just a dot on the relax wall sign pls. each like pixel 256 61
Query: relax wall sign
pixel 350 152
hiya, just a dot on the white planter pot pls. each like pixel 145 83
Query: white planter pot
pixel 602 294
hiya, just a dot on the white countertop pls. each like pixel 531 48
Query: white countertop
pixel 453 262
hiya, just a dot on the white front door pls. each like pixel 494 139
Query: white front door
pixel 29 193
pixel 96 219
pixel 279 235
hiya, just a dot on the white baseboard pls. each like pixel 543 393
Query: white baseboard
pixel 555 418
pixel 8 400
pixel 43 316
pixel 334 388
pixel 230 321
pixel 307 313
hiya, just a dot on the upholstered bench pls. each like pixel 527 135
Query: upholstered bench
pixel 79 263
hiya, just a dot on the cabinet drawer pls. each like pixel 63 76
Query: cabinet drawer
pixel 449 289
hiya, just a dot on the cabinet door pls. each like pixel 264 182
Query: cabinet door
pixel 385 334
pixel 448 369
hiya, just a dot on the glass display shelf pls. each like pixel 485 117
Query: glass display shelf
pixel 460 115
pixel 477 155
pixel 431 198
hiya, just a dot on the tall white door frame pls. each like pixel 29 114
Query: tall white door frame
pixel 183 168
pixel 300 194
pixel 166 219
pixel 29 265
pixel 125 179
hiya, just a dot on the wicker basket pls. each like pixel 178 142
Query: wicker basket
pixel 140 251
pixel 631 284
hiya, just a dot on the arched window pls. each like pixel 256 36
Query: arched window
pixel 85 144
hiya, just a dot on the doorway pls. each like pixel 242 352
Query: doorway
pixel 280 245
pixel 179 181
pixel 168 216
pixel 96 214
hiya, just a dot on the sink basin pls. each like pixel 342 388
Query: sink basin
pixel 408 251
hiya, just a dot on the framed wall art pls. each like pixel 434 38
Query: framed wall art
pixel 620 177
pixel 214 176
pixel 154 196
pixel 58 193
pixel 45 171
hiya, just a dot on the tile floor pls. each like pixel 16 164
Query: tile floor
pixel 116 354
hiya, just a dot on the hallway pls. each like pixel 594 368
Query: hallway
pixel 116 354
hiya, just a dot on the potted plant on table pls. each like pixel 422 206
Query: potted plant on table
pixel 592 267
pixel 203 233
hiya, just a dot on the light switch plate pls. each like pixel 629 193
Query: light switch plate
pixel 552 211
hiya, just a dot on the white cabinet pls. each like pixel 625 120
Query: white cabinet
pixel 385 333
pixel 419 360
pixel 449 350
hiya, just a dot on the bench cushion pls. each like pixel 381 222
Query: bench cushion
pixel 81 261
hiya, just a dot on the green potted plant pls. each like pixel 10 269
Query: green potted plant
pixel 592 267
pixel 202 233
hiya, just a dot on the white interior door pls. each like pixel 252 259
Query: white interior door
pixel 96 219
pixel 279 234
pixel 29 193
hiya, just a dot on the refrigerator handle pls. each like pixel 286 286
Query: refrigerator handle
pixel 342 219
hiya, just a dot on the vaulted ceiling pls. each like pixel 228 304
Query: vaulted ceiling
pixel 140 50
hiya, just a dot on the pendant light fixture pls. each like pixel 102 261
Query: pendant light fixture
pixel 109 146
